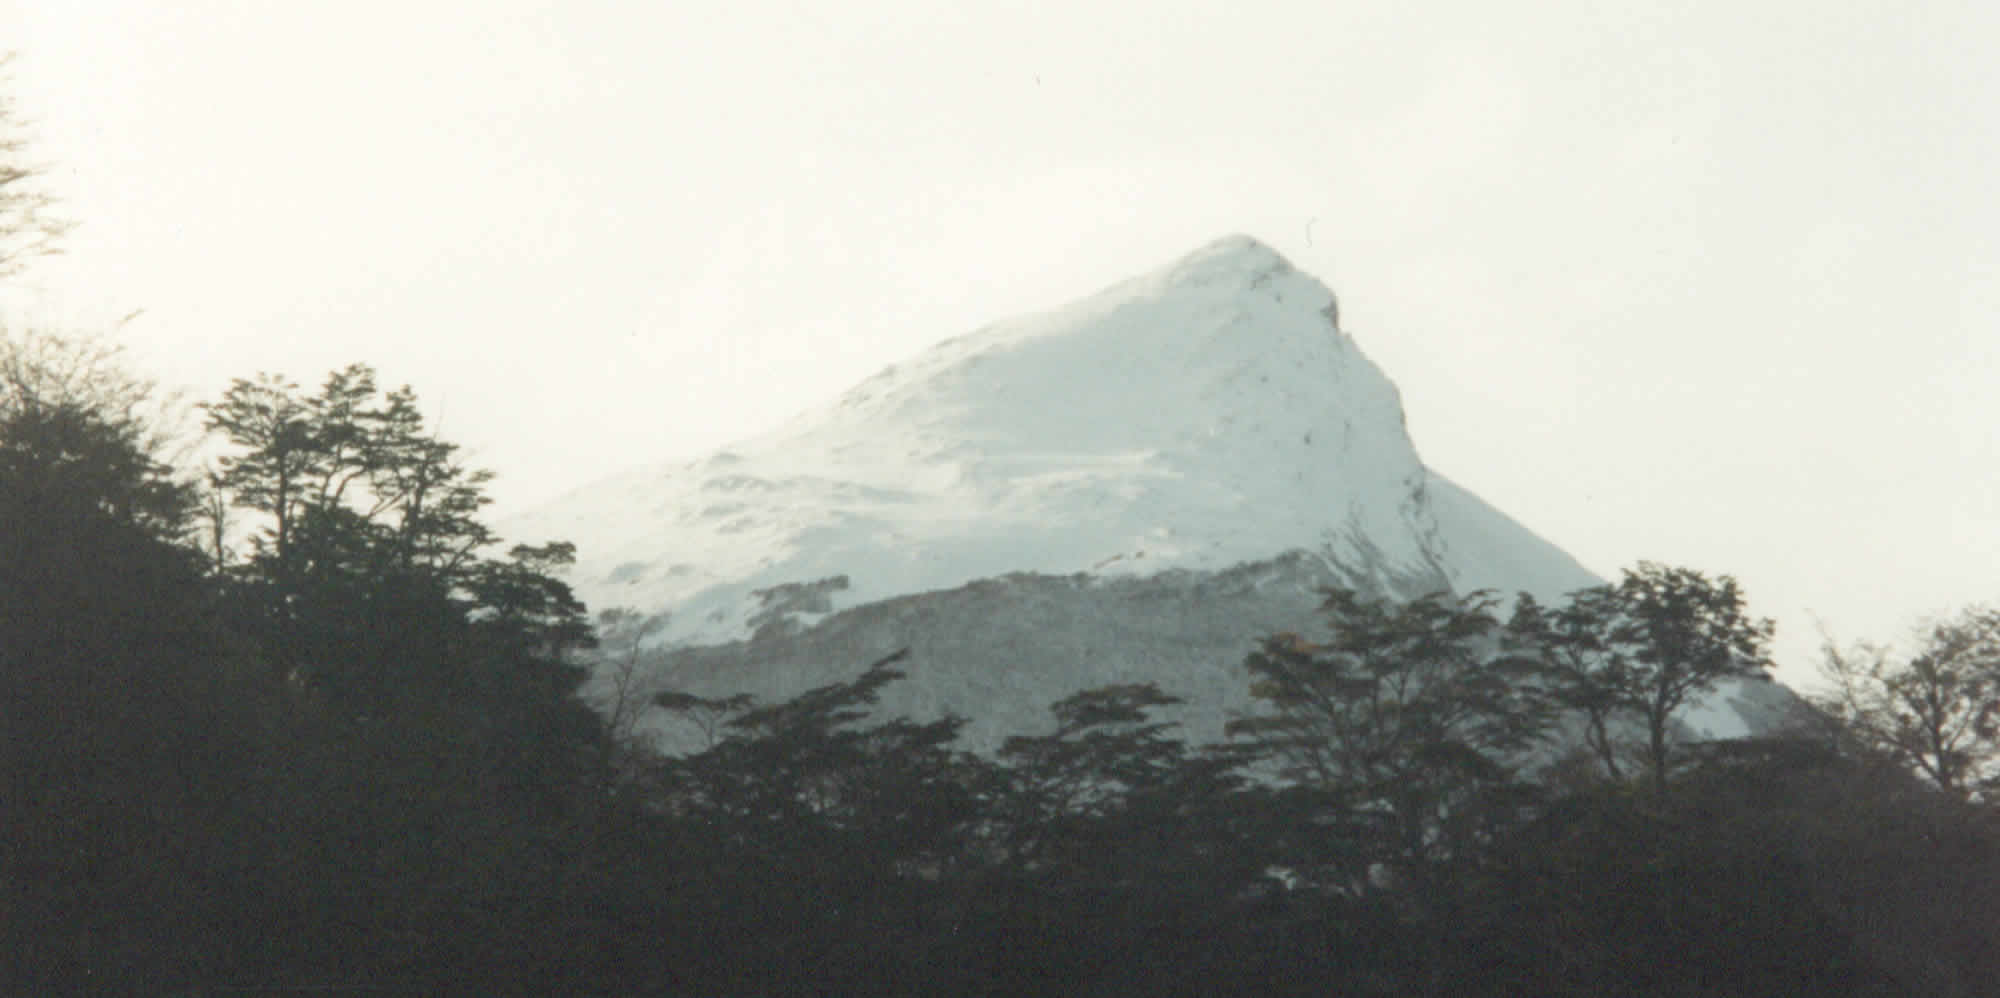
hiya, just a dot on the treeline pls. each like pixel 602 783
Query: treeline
pixel 290 724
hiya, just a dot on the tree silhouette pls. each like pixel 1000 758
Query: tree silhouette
pixel 1937 711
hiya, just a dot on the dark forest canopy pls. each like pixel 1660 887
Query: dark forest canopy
pixel 296 724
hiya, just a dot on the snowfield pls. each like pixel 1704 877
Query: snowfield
pixel 1157 436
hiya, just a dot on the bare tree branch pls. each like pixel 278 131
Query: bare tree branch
pixel 30 225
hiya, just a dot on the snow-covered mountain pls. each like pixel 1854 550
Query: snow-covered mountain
pixel 1131 487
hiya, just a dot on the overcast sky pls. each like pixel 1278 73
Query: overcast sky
pixel 1709 283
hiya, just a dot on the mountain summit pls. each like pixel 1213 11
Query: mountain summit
pixel 1201 416
pixel 1131 487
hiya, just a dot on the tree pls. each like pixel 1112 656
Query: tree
pixel 809 768
pixel 125 731
pixel 447 765
pixel 80 464
pixel 1417 714
pixel 364 508
pixel 1747 880
pixel 1106 747
pixel 1411 725
pixel 620 697
pixel 1581 670
pixel 1937 711
pixel 809 830
pixel 1679 634
pixel 1110 812
pixel 29 225
pixel 1110 797
pixel 367 585
pixel 351 483
pixel 43 370
pixel 1639 651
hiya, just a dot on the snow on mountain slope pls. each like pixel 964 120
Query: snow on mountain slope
pixel 1486 549
pixel 1199 417
pixel 1178 426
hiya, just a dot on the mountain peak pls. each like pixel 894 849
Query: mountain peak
pixel 1132 486
pixel 1206 414
pixel 1220 353
pixel 1203 415
pixel 1236 263
pixel 1232 255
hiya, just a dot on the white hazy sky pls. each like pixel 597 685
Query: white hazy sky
pixel 1710 283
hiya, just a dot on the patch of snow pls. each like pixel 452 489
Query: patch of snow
pixel 1486 549
pixel 1711 716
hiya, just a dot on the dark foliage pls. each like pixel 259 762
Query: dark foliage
pixel 353 758
pixel 125 720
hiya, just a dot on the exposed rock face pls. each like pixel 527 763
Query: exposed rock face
pixel 1134 487
pixel 1001 649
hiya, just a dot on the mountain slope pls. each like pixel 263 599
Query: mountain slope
pixel 1205 415
pixel 1196 430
